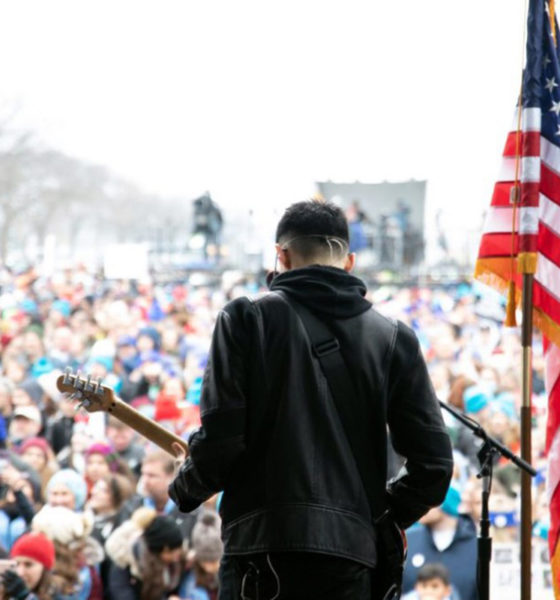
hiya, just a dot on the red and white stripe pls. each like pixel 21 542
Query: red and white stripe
pixel 537 217
pixel 536 229
pixel 552 383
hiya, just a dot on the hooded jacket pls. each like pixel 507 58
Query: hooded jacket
pixel 134 566
pixel 271 437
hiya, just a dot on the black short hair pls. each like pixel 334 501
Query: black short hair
pixel 433 571
pixel 313 226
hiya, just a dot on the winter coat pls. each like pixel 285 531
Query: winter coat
pixel 132 566
pixel 460 557
pixel 271 437
pixel 186 521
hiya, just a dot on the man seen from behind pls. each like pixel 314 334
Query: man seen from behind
pixel 303 467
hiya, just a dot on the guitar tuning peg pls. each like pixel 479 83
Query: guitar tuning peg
pixel 98 389
pixel 78 381
pixel 75 396
pixel 88 387
pixel 83 404
pixel 67 373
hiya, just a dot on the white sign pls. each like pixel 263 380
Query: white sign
pixel 126 261
pixel 505 572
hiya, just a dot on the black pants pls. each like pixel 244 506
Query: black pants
pixel 293 576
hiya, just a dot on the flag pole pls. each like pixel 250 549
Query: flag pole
pixel 526 453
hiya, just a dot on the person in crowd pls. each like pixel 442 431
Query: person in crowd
pixel 145 382
pixel 68 489
pixel 32 578
pixel 34 350
pixel 77 554
pixel 6 392
pixel 26 423
pixel 61 353
pixel 61 427
pixel 267 414
pixel 148 557
pixel 157 473
pixel 124 441
pixel 19 498
pixel 37 453
pixel 101 460
pixel 207 551
pixel 503 513
pixel 73 455
pixel 445 536
pixel 471 499
pixel 432 583
pixel 125 355
pixel 28 393
pixel 472 399
pixel 107 497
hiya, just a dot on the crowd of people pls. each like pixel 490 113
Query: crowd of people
pixel 84 505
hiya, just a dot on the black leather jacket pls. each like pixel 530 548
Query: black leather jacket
pixel 271 437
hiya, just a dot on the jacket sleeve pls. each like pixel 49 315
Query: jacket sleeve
pixel 220 441
pixel 417 432
pixel 24 506
pixel 119 584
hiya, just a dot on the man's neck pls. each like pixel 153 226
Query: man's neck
pixel 160 503
pixel 446 523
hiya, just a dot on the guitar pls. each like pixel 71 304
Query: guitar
pixel 391 557
pixel 95 397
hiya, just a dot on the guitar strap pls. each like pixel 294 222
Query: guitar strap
pixel 326 349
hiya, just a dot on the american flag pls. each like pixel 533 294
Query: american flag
pixel 524 220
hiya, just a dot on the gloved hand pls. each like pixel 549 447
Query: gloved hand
pixel 14 586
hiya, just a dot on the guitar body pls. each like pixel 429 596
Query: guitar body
pixel 391 558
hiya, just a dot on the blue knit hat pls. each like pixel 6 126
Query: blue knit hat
pixel 104 361
pixel 475 399
pixel 504 402
pixel 73 481
pixel 452 501
pixel 152 333
pixel 62 306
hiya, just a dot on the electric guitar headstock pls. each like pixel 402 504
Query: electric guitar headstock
pixel 90 395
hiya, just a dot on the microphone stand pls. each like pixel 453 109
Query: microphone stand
pixel 489 451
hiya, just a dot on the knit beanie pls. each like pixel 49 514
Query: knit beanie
pixel 166 408
pixel 162 533
pixel 35 442
pixel 32 388
pixel 36 546
pixel 206 539
pixel 475 399
pixel 152 333
pixel 108 453
pixel 73 481
pixel 452 501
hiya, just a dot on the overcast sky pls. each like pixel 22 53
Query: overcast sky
pixel 256 100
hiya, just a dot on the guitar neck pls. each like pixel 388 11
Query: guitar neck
pixel 146 427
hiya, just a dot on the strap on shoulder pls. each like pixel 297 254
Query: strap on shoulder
pixel 326 349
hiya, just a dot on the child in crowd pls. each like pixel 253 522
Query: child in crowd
pixel 432 583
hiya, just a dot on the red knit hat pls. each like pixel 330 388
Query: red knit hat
pixel 35 546
pixel 36 442
pixel 166 408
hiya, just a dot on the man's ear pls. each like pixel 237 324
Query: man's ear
pixel 350 262
pixel 283 256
